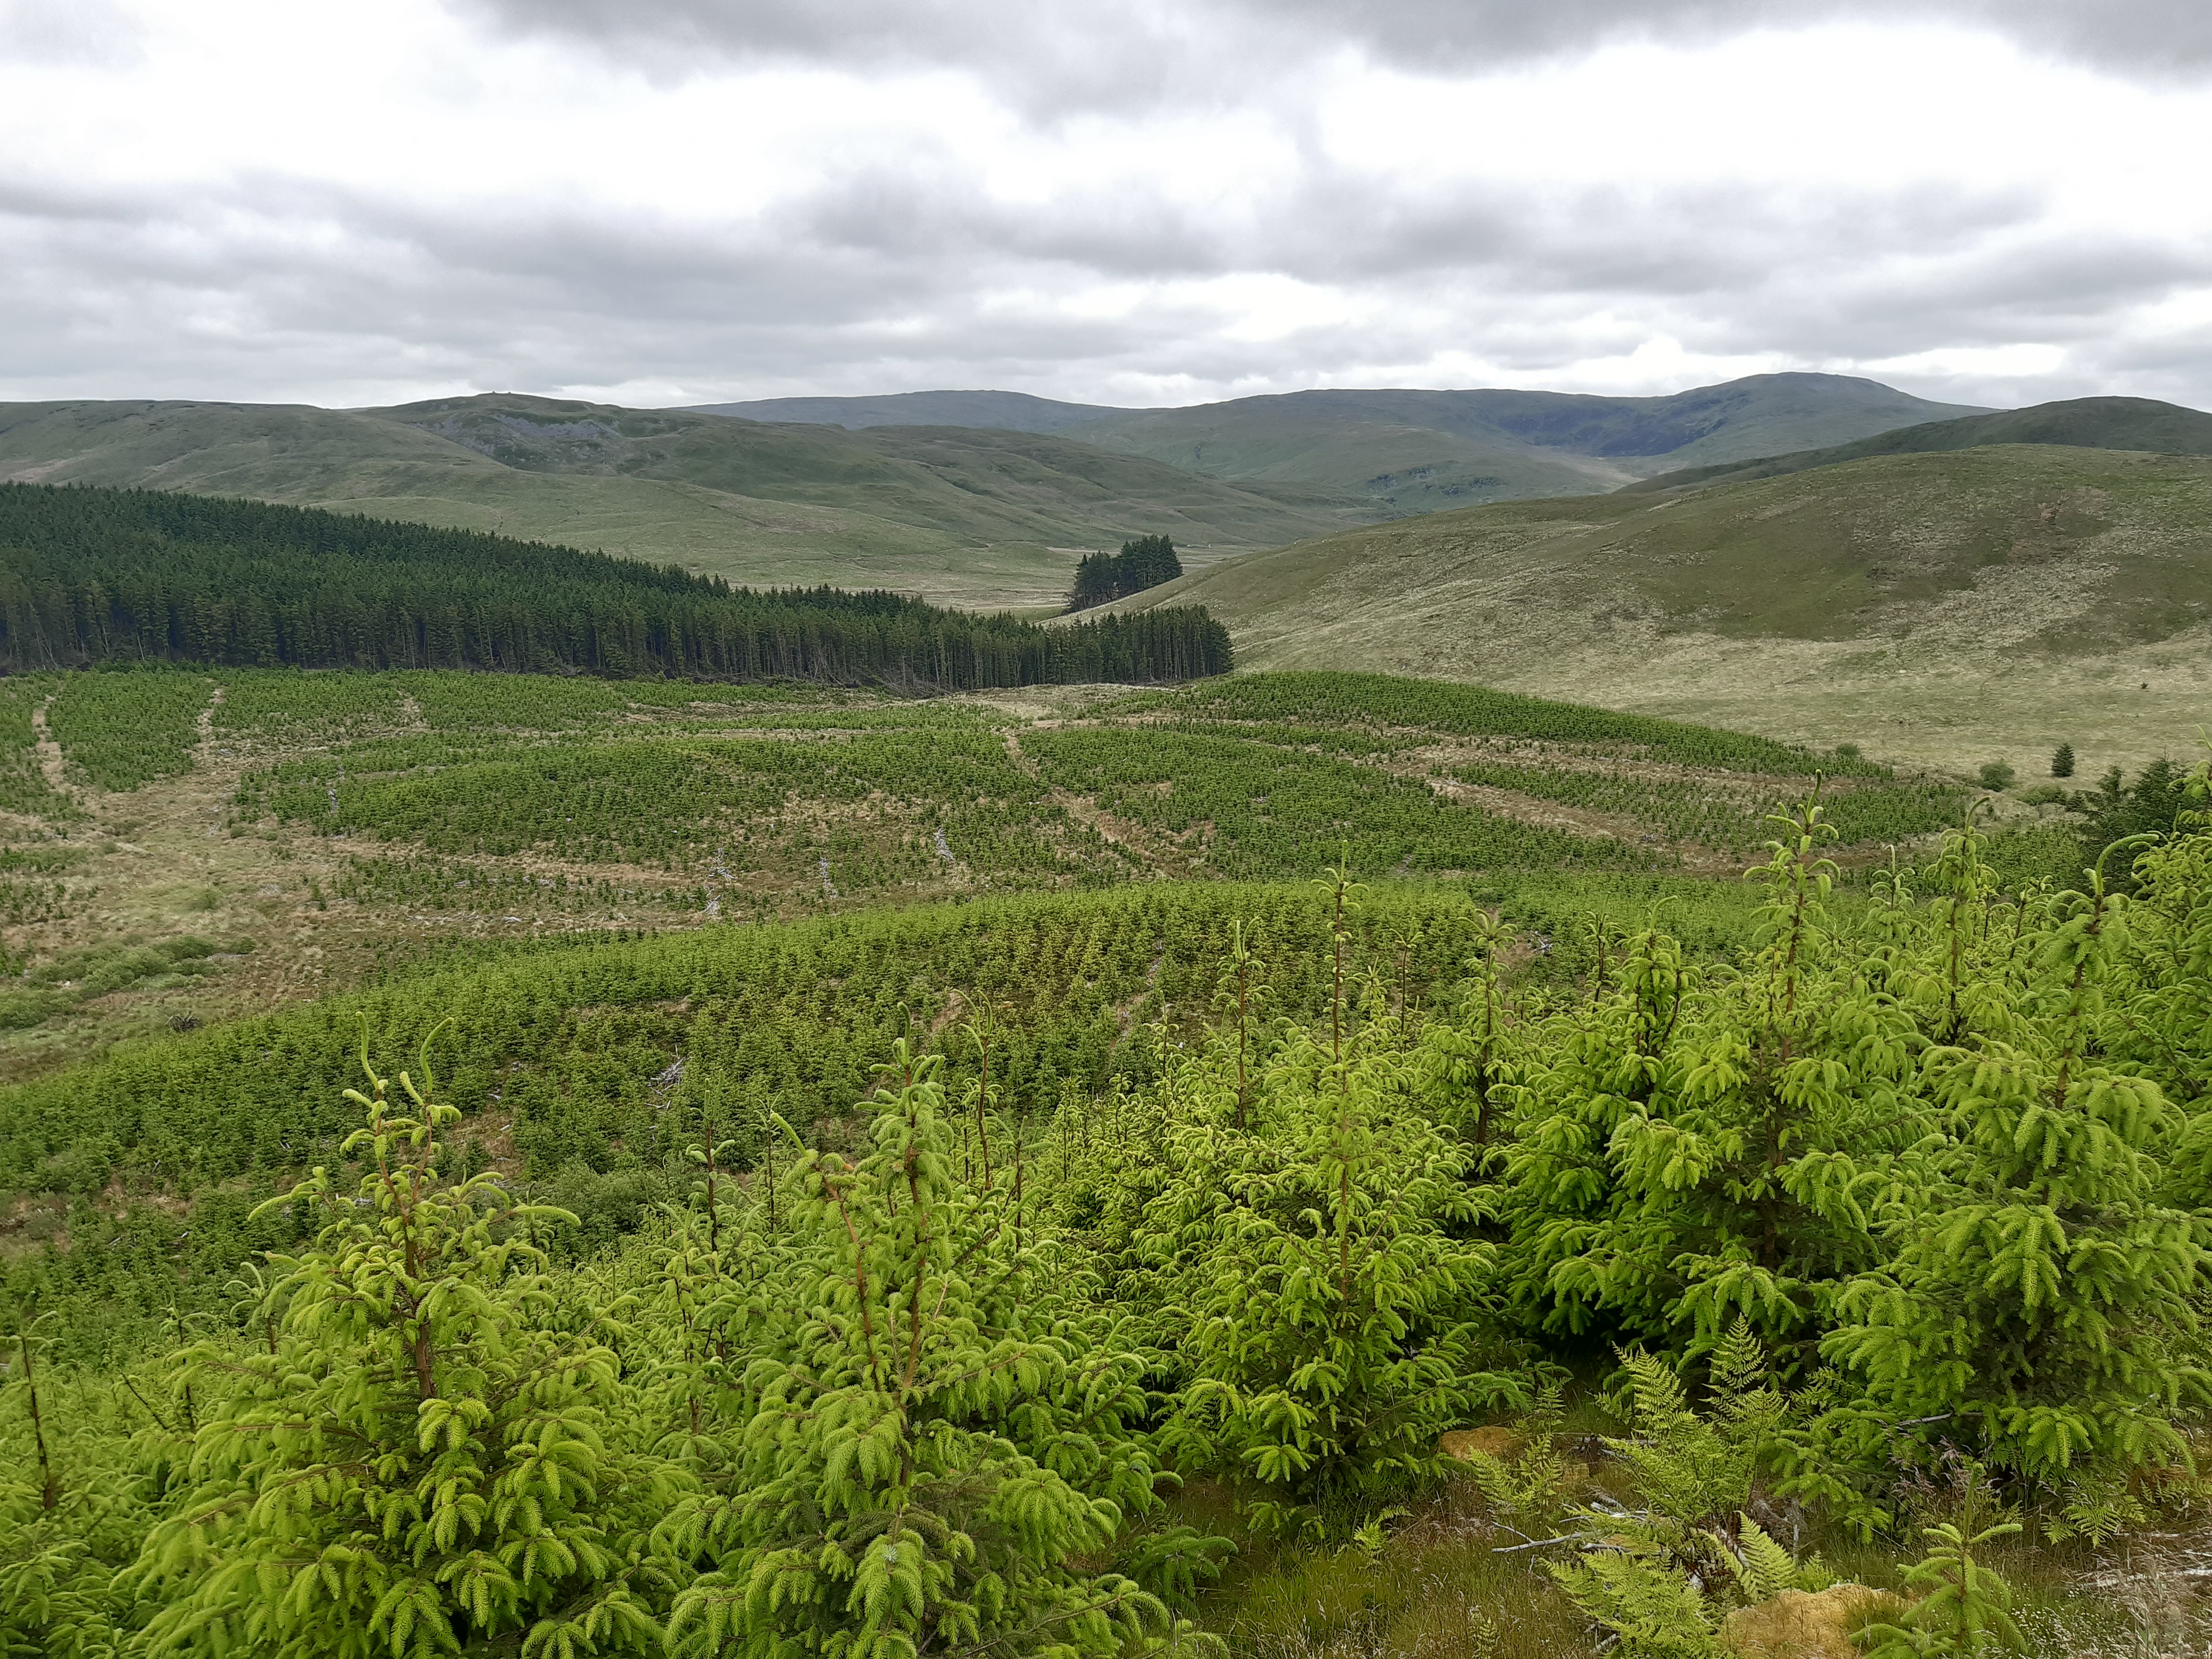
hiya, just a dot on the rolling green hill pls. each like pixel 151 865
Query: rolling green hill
pixel 1407 450
pixel 1009 412
pixel 986 518
pixel 2136 424
pixel 990 513
pixel 1954 608
pixel 1401 464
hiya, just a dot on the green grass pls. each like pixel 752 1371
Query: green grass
pixel 1949 608
pixel 2136 423
pixel 986 518
pixel 1423 452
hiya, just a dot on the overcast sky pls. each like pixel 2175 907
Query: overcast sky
pixel 1132 202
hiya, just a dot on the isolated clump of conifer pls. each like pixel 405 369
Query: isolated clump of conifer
pixel 2062 761
pixel 1146 561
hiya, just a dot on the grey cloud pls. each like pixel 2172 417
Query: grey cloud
pixel 893 278
pixel 1142 53
pixel 67 32
pixel 905 272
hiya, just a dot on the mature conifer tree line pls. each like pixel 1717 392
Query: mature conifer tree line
pixel 90 576
pixel 1144 562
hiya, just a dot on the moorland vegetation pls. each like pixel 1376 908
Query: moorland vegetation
pixel 1944 608
pixel 986 499
pixel 959 516
pixel 566 1164
pixel 2142 424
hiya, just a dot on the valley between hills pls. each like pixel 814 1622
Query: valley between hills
pixel 1813 556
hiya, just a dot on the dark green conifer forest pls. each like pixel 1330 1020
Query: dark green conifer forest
pixel 1144 562
pixel 152 576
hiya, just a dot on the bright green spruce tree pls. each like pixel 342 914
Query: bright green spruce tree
pixel 1693 1147
pixel 927 1429
pixel 1332 1311
pixel 2041 1305
pixel 1334 1321
pixel 416 1467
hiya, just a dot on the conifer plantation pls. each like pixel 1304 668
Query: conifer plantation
pixel 91 576
pixel 1285 1165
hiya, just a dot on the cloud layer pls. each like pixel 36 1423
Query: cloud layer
pixel 1125 203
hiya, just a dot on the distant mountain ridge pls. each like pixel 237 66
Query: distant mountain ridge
pixel 2142 424
pixel 1411 450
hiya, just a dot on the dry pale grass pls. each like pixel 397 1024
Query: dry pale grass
pixel 1935 610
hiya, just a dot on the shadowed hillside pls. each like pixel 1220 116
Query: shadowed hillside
pixel 2136 424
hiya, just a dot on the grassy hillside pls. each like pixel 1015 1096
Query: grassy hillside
pixel 1428 450
pixel 1418 450
pixel 989 514
pixel 1324 439
pixel 1405 452
pixel 2136 423
pixel 981 518
pixel 1009 412
pixel 1952 608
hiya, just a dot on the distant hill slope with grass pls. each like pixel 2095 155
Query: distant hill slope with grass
pixel 2129 424
pixel 1952 607
pixel 961 516
pixel 1010 411
pixel 1407 451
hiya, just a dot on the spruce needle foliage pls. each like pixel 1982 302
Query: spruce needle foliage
pixel 2042 1292
pixel 1965 1610
pixel 924 1432
pixel 1334 1322
pixel 1333 1309
pixel 419 1466
pixel 1695 1150
pixel 54 1587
